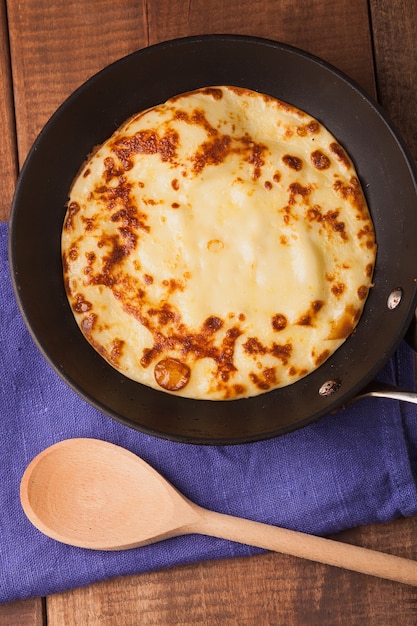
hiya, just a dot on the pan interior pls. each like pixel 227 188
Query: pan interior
pixel 94 111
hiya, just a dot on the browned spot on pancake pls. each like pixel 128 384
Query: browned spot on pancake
pixel 179 114
pixel 266 380
pixel 338 289
pixel 212 152
pixel 276 177
pixel 172 374
pixel 215 245
pixel 293 371
pixel 90 259
pixel 268 185
pixel 253 346
pixel 331 218
pixel 320 160
pixel 224 358
pixel 314 214
pixel 340 154
pixel 73 252
pixel 367 232
pixel 198 345
pixel 175 184
pixel 293 162
pixel 119 247
pixel 212 324
pixel 309 317
pixel 256 156
pixel 72 210
pixel 196 118
pixel 279 322
pixel 282 352
pixel 297 190
pixel 165 314
pixel 173 284
pixel 111 170
pixel 215 93
pixel 146 142
pixel 345 325
pixel 352 192
pixel 231 391
pixel 116 350
pixel 218 147
pixel 90 223
pixel 363 292
pixel 88 323
pixel 321 358
pixel 81 305
pixel 312 128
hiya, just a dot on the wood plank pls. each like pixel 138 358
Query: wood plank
pixel 394 27
pixel 8 158
pixel 56 46
pixel 23 613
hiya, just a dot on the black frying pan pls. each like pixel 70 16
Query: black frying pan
pixel 147 78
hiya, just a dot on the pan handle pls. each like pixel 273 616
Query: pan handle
pixel 384 390
pixel 411 335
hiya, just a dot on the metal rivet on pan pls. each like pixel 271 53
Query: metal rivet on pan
pixel 394 298
pixel 329 387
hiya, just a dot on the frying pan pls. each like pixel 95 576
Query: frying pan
pixel 148 77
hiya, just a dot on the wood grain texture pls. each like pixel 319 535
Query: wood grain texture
pixel 395 27
pixel 8 138
pixel 56 46
pixel 23 613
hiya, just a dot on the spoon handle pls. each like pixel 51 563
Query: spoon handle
pixel 307 546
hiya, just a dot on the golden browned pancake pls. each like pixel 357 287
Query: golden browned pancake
pixel 218 246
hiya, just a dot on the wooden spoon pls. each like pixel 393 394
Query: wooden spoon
pixel 94 494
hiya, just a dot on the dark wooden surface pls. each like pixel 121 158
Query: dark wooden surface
pixel 47 49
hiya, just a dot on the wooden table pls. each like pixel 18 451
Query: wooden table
pixel 47 49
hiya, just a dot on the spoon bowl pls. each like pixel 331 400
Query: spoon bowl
pixel 93 494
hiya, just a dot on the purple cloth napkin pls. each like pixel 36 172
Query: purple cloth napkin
pixel 354 467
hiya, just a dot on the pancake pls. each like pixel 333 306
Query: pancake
pixel 218 246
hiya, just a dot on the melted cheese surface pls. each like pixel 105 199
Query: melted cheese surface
pixel 218 246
